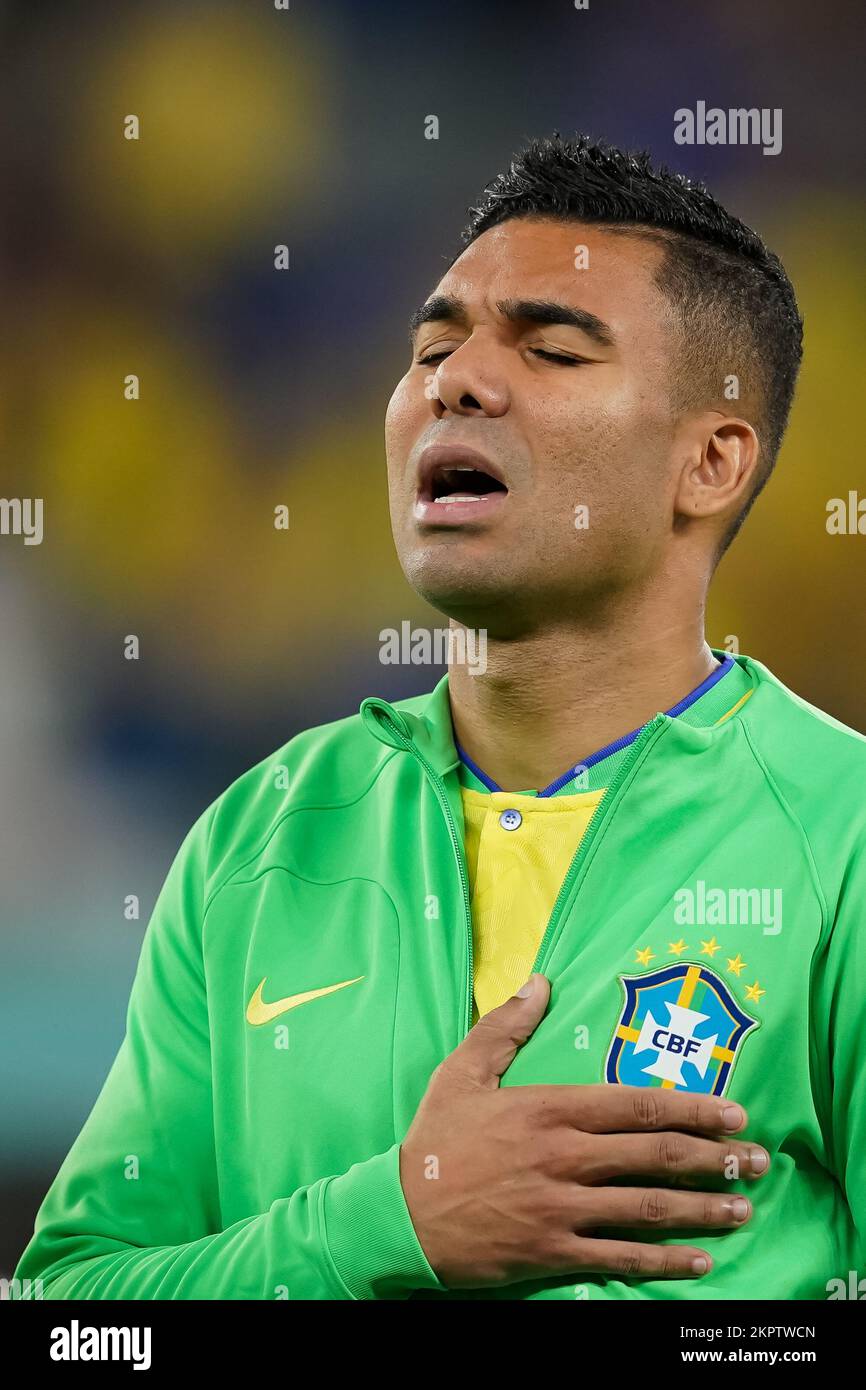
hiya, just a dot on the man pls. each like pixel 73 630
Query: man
pixel 638 861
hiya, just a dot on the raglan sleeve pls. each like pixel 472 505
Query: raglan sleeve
pixel 839 1027
pixel 134 1212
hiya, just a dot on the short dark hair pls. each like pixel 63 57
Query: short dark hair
pixel 736 306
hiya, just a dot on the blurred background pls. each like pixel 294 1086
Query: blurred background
pixel 260 388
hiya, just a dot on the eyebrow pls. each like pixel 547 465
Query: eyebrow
pixel 446 308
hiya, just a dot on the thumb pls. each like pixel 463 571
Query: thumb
pixel 490 1048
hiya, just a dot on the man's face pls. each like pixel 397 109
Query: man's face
pixel 536 418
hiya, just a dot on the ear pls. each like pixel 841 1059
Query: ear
pixel 722 454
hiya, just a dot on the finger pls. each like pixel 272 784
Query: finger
pixel 623 1109
pixel 627 1259
pixel 669 1156
pixel 662 1208
pixel 491 1046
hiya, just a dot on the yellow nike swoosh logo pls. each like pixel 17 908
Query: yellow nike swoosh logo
pixel 259 1012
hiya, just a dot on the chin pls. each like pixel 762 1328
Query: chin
pixel 479 596
pixel 461 590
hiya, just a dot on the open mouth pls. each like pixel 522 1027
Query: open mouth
pixel 462 484
pixel 457 486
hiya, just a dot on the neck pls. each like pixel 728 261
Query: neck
pixel 547 701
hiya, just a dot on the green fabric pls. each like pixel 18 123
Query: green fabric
pixel 224 1159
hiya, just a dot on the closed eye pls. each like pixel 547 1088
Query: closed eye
pixel 559 357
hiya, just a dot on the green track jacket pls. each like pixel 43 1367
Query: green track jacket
pixel 241 1151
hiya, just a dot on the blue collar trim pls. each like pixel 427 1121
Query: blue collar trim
pixel 712 679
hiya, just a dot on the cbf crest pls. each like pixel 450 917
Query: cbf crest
pixel 680 1028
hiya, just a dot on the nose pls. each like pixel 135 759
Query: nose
pixel 469 382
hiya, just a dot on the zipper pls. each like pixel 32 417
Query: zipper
pixel 602 812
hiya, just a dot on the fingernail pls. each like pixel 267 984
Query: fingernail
pixel 759 1160
pixel 700 1265
pixel 732 1117
pixel 525 990
pixel 739 1208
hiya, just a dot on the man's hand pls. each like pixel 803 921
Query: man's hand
pixel 522 1190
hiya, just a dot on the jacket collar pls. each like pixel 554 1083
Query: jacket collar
pixel 424 721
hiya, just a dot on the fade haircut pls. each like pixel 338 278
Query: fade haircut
pixel 735 307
